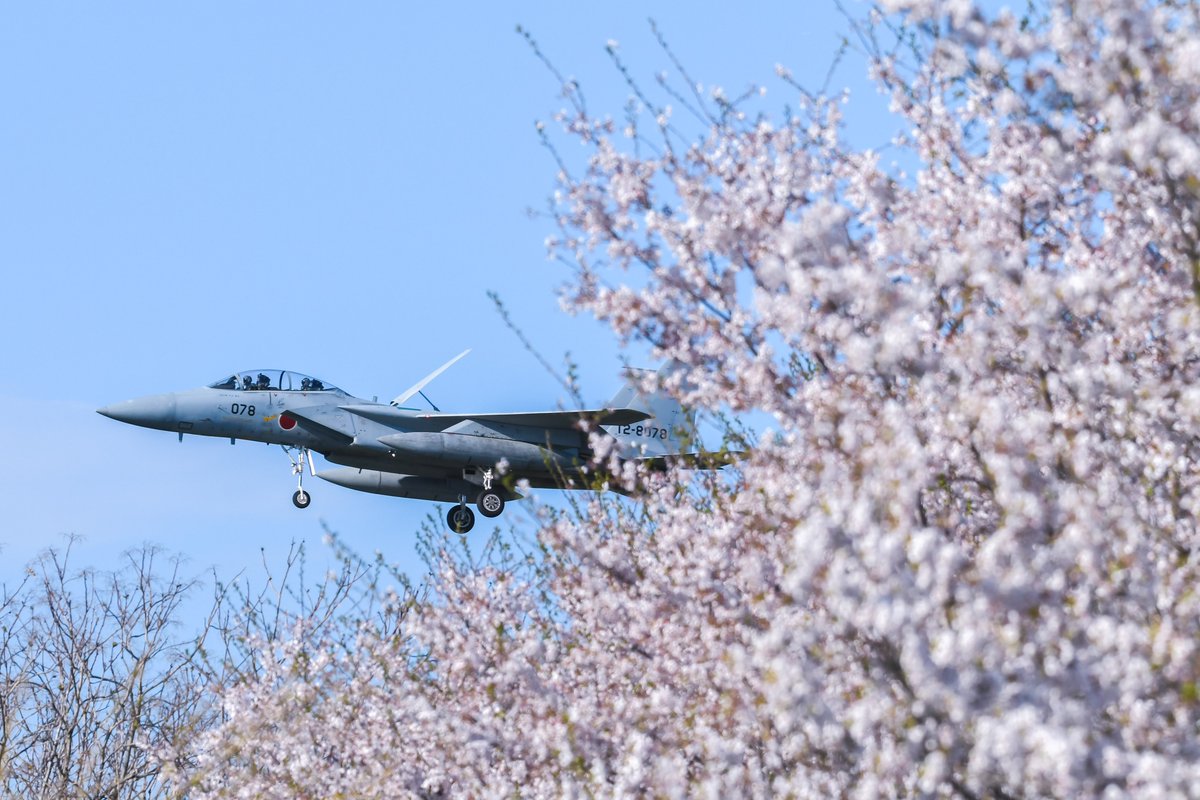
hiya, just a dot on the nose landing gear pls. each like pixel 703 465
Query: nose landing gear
pixel 300 498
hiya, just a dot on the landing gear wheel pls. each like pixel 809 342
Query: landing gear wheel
pixel 490 503
pixel 301 499
pixel 461 519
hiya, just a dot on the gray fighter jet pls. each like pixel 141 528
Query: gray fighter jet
pixel 390 449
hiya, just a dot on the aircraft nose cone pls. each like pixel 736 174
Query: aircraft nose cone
pixel 155 411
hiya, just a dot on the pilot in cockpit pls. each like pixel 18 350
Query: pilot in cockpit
pixel 247 383
pixel 263 382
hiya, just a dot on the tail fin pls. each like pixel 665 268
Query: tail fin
pixel 665 433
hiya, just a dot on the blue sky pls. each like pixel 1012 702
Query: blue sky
pixel 192 189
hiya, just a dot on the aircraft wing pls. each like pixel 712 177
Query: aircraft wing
pixel 565 420
pixel 387 415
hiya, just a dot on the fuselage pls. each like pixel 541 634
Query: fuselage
pixel 347 430
pixel 388 449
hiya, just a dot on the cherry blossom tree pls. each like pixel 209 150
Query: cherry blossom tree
pixel 93 672
pixel 963 561
pixel 100 670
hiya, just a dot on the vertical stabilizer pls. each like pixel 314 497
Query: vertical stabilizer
pixel 667 431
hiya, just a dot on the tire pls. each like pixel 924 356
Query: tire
pixel 490 503
pixel 460 519
pixel 301 499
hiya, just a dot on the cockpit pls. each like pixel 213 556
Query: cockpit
pixel 273 380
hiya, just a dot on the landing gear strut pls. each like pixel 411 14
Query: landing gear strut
pixel 490 502
pixel 301 498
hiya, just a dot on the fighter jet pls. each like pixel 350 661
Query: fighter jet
pixel 391 449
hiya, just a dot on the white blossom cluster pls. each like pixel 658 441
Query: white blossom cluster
pixel 966 563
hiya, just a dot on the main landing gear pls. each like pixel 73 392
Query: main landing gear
pixel 489 502
pixel 301 498
pixel 461 518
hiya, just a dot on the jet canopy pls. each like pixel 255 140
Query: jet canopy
pixel 273 380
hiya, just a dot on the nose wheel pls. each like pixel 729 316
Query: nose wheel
pixel 301 498
pixel 460 518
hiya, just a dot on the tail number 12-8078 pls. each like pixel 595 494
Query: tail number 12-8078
pixel 645 431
